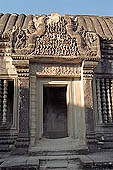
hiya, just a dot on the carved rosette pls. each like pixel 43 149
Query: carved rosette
pixel 55 35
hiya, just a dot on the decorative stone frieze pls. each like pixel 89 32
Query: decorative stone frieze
pixel 24 40
pixel 23 72
pixel 55 35
pixel 88 69
pixel 61 70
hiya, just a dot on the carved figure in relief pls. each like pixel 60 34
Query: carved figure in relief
pixel 20 38
pixel 54 35
pixel 23 41
pixel 71 32
pixel 39 28
pixel 86 41
pixel 53 18
pixel 56 41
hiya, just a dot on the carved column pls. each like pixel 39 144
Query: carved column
pixel 0 100
pixel 105 117
pixel 108 101
pixel 112 97
pixel 5 92
pixel 99 102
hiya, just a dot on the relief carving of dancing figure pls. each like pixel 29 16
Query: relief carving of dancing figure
pixel 23 41
pixel 86 41
pixel 72 32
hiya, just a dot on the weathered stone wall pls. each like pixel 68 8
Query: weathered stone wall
pixel 77 48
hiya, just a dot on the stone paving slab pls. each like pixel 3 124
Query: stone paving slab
pixel 85 159
pixel 15 161
pixel 33 160
pixel 101 157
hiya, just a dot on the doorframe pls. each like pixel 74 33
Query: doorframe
pixel 40 85
pixel 75 104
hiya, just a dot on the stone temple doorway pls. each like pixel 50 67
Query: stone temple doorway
pixel 57 117
pixel 54 112
pixel 57 113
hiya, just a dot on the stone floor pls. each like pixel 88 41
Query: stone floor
pixel 99 160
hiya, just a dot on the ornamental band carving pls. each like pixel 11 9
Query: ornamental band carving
pixel 54 35
pixel 55 70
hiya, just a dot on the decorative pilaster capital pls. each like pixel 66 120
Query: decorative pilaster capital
pixel 88 68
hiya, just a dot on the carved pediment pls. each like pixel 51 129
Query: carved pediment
pixel 55 35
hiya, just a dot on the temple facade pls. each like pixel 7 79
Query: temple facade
pixel 56 92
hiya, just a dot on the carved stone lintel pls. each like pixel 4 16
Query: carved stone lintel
pixel 56 70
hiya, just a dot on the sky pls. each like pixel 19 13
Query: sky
pixel 76 7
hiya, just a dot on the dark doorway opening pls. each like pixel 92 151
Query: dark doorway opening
pixel 54 112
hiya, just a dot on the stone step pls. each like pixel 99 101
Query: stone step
pixel 5 141
pixel 106 145
pixel 5 148
pixel 41 152
pixel 54 163
pixel 53 168
pixel 61 163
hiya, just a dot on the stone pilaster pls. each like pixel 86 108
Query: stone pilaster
pixel 88 76
pixel 23 109
pixel 22 66
pixel 88 104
